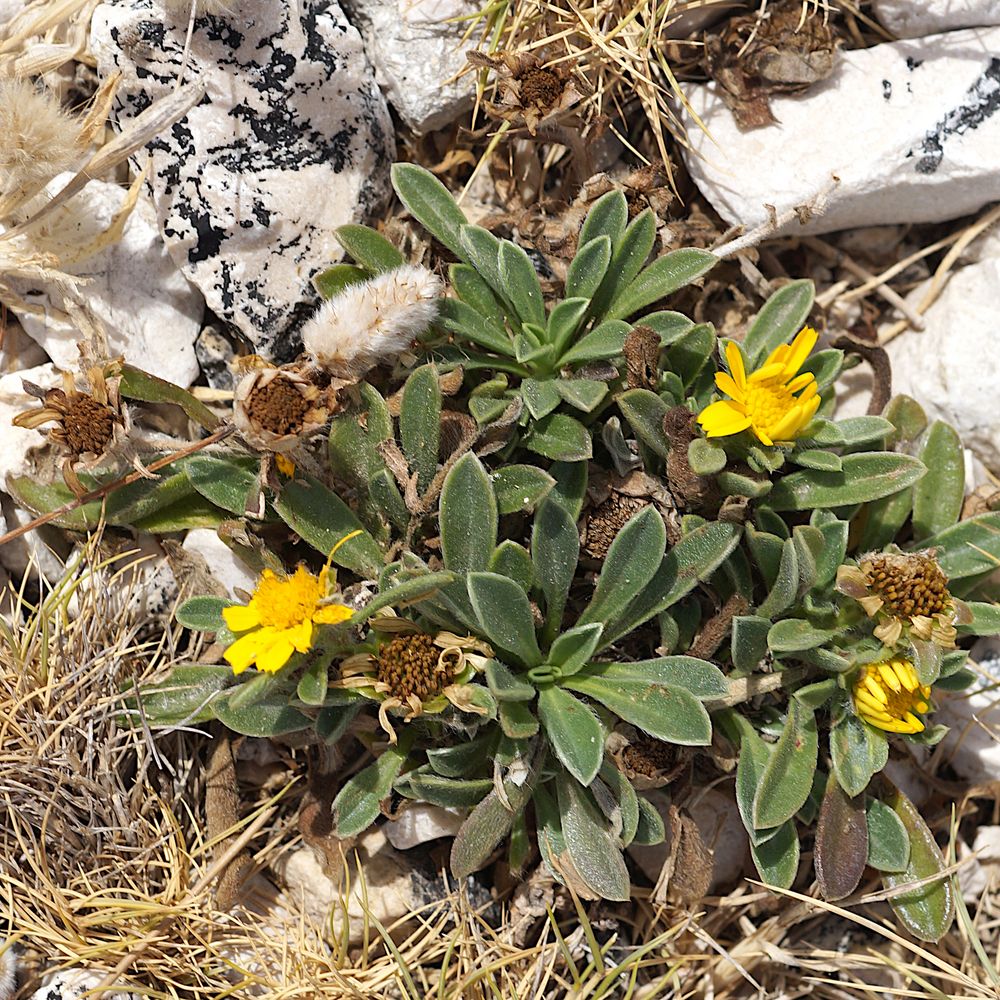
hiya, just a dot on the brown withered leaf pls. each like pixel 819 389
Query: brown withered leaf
pixel 687 872
pixel 642 355
pixel 841 842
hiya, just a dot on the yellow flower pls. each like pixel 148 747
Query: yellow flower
pixel 765 401
pixel 280 619
pixel 887 694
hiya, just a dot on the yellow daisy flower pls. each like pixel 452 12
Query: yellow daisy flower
pixel 887 694
pixel 765 401
pixel 280 619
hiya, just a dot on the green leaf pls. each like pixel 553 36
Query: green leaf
pixel 592 847
pixel 825 365
pixel 511 559
pixel 582 393
pixel 650 829
pixel 403 593
pixel 938 497
pixel 644 411
pixel 835 537
pixel 853 432
pixel 628 802
pixel 472 290
pixel 857 752
pixel 269 716
pixel 462 759
pixel 564 322
pixel 332 721
pixel 355 436
pixel 753 760
pixel 777 858
pixel 359 802
pixel 505 616
pixel 505 685
pixel 630 254
pixel 192 511
pixel 521 283
pixel 694 558
pixel 461 319
pixel 587 269
pixel 985 620
pixel 794 634
pixel 424 785
pixel 468 516
pixel 817 694
pixel 782 317
pixel 883 519
pixel 634 556
pixel 607 217
pixel 574 647
pixel 788 777
pixel 663 277
pixel 907 418
pixel 573 732
pixel 429 202
pixel 137 384
pixel 968 548
pixel 517 720
pixel 323 520
pixel 227 481
pixel 560 437
pixel 315 677
pixel 203 614
pixel 864 477
pixel 670 325
pixel 420 423
pixel 490 822
pixel 888 841
pixel 540 396
pixel 706 457
pixel 928 911
pixel 333 280
pixel 555 549
pixel 603 342
pixel 749 645
pixel 668 713
pixel 786 584
pixel 690 355
pixel 185 698
pixel 370 249
pixel 698 677
pixel 814 458
pixel 520 488
pixel 841 842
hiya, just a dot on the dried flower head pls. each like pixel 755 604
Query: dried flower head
pixel 887 694
pixel 372 321
pixel 905 592
pixel 280 619
pixel 275 409
pixel 531 94
pixel 414 673
pixel 607 519
pixel 774 402
pixel 647 762
pixel 37 140
pixel 91 423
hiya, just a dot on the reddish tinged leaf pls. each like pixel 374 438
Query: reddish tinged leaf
pixel 841 842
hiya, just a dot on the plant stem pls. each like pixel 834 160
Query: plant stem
pixel 742 689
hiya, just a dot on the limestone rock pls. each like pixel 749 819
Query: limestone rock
pixel 417 50
pixel 291 140
pixel 72 984
pixel 147 309
pixel 952 367
pixel 215 354
pixel 971 746
pixel 914 18
pixel 222 563
pixel 420 823
pixel 16 443
pixel 910 128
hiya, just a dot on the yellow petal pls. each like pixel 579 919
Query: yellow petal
pixel 866 702
pixel 875 690
pixel 723 418
pixel 907 674
pixel 240 617
pixel 767 372
pixel 916 725
pixel 801 381
pixel 801 346
pixel 728 385
pixel 736 367
pixel 332 614
pixel 276 654
pixel 889 677
pixel 301 636
pixel 763 436
pixel 786 427
pixel 244 651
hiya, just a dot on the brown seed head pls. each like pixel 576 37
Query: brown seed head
pixel 909 585
pixel 278 406
pixel 412 664
pixel 540 88
pixel 607 519
pixel 649 756
pixel 87 426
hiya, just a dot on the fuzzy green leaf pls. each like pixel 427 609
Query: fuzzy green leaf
pixel 607 217
pixel 460 318
pixel 355 436
pixel 864 477
pixel 505 685
pixel 520 488
pixel 574 647
pixel 564 322
pixel 587 269
pixel 777 858
pixel 814 458
pixel 857 752
pixel 749 643
pixel 698 677
pixel 593 848
pixel 582 393
pixel 424 785
pixel 907 417
pixel 573 732
pixel 468 516
pixel 650 829
pixel 928 911
pixel 185 698
pixel 794 634
pixel 555 549
pixel 540 396
pixel 968 548
pixel 788 777
pixel 663 277
pixel 335 279
pixel 420 423
pixel 888 841
pixel 521 282
pixel 486 827
pixel 560 437
pixel 511 559
pixel 781 318
pixel 644 411
pixel 786 585
pixel 203 614
pixel 228 481
pixel 430 203
pixel 938 497
pixel 630 254
pixel 359 801
pixel 137 384
pixel 603 342
pixel 369 248
pixel 268 716
pixel 505 615
pixel 706 457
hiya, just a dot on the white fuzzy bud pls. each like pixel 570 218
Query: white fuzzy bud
pixel 372 321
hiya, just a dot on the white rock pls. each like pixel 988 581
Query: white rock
pixel 972 745
pixel 952 367
pixel 19 351
pixel 223 564
pixel 72 984
pixel 149 312
pixel 43 550
pixel 909 128
pixel 420 823
pixel 291 140
pixel 17 442
pixel 987 845
pixel 914 18
pixel 973 876
pixel 417 51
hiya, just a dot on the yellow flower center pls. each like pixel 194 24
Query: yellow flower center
pixel 767 405
pixel 283 603
pixel 887 695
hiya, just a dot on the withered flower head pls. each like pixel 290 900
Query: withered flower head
pixel 607 519
pixel 531 94
pixel 645 761
pixel 413 673
pixel 275 409
pixel 906 592
pixel 90 424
